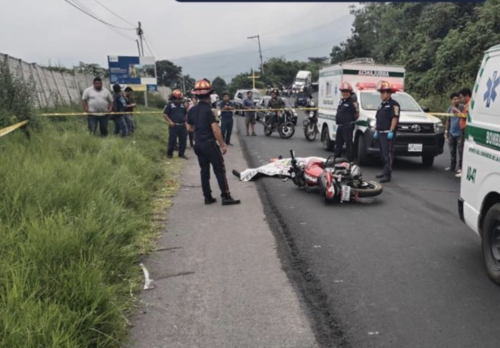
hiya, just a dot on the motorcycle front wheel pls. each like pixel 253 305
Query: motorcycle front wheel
pixel 367 189
pixel 286 130
pixel 310 132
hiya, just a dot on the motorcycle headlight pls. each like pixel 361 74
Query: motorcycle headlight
pixel 372 122
pixel 438 127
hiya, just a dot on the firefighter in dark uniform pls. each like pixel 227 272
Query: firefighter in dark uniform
pixel 347 114
pixel 202 121
pixel 175 113
pixel 387 123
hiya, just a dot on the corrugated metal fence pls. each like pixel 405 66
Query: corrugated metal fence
pixel 52 87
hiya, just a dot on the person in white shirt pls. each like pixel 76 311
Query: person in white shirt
pixel 97 99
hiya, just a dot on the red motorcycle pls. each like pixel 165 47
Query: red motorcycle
pixel 338 179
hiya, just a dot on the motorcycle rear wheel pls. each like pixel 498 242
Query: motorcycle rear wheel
pixel 286 130
pixel 372 189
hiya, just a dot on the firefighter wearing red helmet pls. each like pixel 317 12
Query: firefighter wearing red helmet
pixel 347 114
pixel 385 130
pixel 202 121
pixel 175 113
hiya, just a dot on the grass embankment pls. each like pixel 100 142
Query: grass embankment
pixel 75 218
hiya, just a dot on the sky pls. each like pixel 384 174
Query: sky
pixel 54 32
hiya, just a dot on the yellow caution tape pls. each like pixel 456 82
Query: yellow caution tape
pixel 12 128
pixel 447 114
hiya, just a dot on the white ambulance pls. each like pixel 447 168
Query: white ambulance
pixel 479 205
pixel 418 133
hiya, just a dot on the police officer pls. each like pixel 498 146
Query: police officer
pixel 347 114
pixel 175 113
pixel 387 122
pixel 207 133
pixel 275 103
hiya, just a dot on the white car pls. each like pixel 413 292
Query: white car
pixel 479 205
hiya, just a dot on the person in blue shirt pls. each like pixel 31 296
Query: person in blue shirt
pixel 453 132
pixel 226 107
pixel 175 113
pixel 119 105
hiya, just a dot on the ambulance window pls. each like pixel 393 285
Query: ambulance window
pixel 328 89
pixel 371 101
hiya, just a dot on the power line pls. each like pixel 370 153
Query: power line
pixel 113 13
pixel 88 13
pixel 154 51
pixel 149 48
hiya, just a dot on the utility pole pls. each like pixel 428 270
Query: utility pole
pixel 260 51
pixel 140 33
pixel 138 47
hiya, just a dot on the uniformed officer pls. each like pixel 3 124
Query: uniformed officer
pixel 207 133
pixel 387 122
pixel 175 113
pixel 347 114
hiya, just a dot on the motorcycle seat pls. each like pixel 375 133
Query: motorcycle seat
pixel 315 162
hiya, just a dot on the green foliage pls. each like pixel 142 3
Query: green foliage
pixel 168 74
pixel 440 44
pixel 92 69
pixel 16 98
pixel 75 218
pixel 219 85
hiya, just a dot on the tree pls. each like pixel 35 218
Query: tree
pixel 219 85
pixel 92 69
pixel 168 74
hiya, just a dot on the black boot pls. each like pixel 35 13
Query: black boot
pixel 385 179
pixel 236 173
pixel 228 200
pixel 380 176
pixel 210 200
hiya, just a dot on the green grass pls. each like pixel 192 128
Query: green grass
pixel 75 218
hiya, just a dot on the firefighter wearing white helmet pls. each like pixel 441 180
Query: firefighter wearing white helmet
pixel 202 121
pixel 387 122
pixel 347 114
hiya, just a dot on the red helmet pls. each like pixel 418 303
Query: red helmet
pixel 202 87
pixel 177 94
pixel 345 87
pixel 384 86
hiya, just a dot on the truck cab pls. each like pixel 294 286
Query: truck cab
pixel 418 134
pixel 303 81
pixel 479 203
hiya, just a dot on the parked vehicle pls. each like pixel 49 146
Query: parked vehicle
pixel 303 81
pixel 311 123
pixel 338 180
pixel 301 99
pixel 240 95
pixel 418 134
pixel 479 203
pixel 264 104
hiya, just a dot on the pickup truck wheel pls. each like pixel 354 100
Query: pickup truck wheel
pixel 361 154
pixel 428 160
pixel 327 143
pixel 491 243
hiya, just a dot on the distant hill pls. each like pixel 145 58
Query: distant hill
pixel 314 42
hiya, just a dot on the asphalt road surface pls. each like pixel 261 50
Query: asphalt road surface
pixel 402 271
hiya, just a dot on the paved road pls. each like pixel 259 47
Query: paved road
pixel 400 272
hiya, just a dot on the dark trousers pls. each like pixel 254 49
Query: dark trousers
pixel 461 143
pixel 102 121
pixel 344 136
pixel 209 153
pixel 120 126
pixel 227 128
pixel 386 152
pixel 129 120
pixel 177 131
pixel 191 139
pixel 454 143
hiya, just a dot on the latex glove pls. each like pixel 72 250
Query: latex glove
pixel 375 135
pixel 390 135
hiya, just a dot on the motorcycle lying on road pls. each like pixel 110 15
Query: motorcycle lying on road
pixel 338 179
pixel 284 124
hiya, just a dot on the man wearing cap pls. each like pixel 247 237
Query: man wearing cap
pixel 175 114
pixel 347 114
pixel 387 121
pixel 207 133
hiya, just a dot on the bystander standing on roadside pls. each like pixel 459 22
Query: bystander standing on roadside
pixel 227 108
pixel 465 95
pixel 119 105
pixel 131 105
pixel 249 104
pixel 97 99
pixel 175 114
pixel 453 132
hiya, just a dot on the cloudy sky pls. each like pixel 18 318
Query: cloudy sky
pixel 53 31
